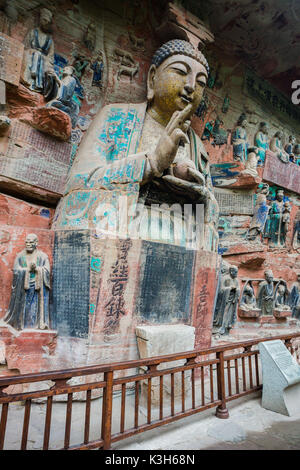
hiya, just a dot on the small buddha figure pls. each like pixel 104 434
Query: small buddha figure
pixel 90 36
pixel 276 146
pixel 265 294
pixel 64 98
pixel 147 148
pixel 97 66
pixel 282 298
pixel 29 303
pixel 261 141
pixel 207 133
pixel 251 163
pixel 248 300
pixel 40 54
pixel 239 140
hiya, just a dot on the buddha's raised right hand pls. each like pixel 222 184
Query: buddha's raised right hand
pixel 167 146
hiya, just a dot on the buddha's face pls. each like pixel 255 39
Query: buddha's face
pixel 176 83
pixel 279 196
pixel 233 273
pixel 45 20
pixel 269 277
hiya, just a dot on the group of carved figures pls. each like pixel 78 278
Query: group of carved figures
pixel 271 219
pixel 40 75
pixel 253 156
pixel 273 297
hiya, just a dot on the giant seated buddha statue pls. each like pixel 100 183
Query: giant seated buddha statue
pixel 147 152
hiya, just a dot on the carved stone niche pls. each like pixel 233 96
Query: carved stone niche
pixel 247 307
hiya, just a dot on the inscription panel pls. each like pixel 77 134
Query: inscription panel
pixel 286 175
pixel 11 56
pixel 234 202
pixel 283 359
pixel 165 286
pixel 35 158
pixel 71 283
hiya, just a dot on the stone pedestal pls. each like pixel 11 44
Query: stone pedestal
pixel 159 341
pixel 253 313
pixel 281 378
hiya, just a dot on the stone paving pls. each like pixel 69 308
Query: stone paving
pixel 249 427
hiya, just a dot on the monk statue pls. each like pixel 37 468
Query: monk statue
pixel 265 294
pixel 29 303
pixel 147 152
pixel 277 223
pixel 228 301
pixel 294 299
pixel 251 163
pixel 260 213
pixel 39 62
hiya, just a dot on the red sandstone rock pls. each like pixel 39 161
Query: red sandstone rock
pixel 52 121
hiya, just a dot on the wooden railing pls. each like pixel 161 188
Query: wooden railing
pixel 130 397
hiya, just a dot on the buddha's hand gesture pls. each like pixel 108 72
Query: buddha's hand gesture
pixel 167 146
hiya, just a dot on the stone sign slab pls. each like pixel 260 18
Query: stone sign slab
pixel 234 202
pixel 286 175
pixel 11 57
pixel 281 378
pixel 35 158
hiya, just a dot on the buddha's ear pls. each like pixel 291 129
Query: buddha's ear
pixel 150 82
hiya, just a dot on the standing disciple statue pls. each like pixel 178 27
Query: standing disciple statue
pixel 155 151
pixel 278 220
pixel 289 147
pixel 265 294
pixel 276 146
pixel 29 303
pixel 261 141
pixel 40 54
pixel 239 140
pixel 229 299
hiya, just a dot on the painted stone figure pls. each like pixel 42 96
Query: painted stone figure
pixel 251 163
pixel 40 54
pixel 239 140
pixel 261 141
pixel 260 214
pixel 297 154
pixel 64 98
pixel 276 146
pixel 229 298
pixel 294 300
pixel 97 67
pixel 29 303
pixel 278 220
pixel 265 294
pixel 90 36
pixel 147 148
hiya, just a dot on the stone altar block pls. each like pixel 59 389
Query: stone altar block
pixel 159 341
pixel 281 378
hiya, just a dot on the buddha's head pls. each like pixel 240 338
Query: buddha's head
pixel 269 276
pixel 177 78
pixel 31 242
pixel 279 195
pixel 264 127
pixel 233 271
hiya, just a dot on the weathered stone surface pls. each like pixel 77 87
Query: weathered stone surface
pixel 51 121
pixel 281 378
pixel 33 158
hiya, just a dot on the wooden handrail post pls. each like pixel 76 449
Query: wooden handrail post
pixel 107 410
pixel 221 411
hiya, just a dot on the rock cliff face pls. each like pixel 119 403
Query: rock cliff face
pixel 103 287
